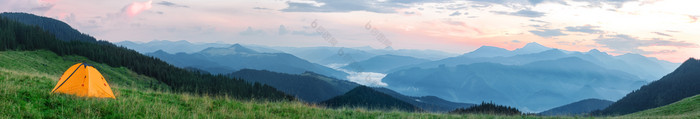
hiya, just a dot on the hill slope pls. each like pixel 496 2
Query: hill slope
pixel 578 108
pixel 427 103
pixel 363 96
pixel 686 108
pixel 61 30
pixel 309 86
pixel 18 36
pixel 27 77
pixel 681 83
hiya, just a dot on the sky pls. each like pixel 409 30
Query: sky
pixel 665 29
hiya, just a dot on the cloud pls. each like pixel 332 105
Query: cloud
pixel 523 13
pixel 171 4
pixel 600 3
pixel 535 2
pixel 591 3
pixel 693 19
pixel 662 34
pixel 462 24
pixel 310 33
pixel 674 31
pixel 367 78
pixel 32 6
pixel 251 32
pixel 458 6
pixel 283 30
pixel 539 21
pixel 515 41
pixel 626 44
pixel 261 8
pixel 135 8
pixel 335 6
pixel 584 29
pixel 456 13
pixel 352 5
pixel 547 33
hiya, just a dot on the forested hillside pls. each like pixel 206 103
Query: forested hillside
pixel 21 37
pixel 682 83
pixel 488 108
pixel 61 30
pixel 366 97
pixel 309 86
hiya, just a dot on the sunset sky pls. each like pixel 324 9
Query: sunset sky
pixel 666 29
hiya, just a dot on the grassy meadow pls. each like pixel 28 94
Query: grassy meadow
pixel 27 77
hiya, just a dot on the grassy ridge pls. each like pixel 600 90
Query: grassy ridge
pixel 686 108
pixel 28 76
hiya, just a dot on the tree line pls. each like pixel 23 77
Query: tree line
pixel 22 37
pixel 487 108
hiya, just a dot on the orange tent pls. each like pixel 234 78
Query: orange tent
pixel 85 81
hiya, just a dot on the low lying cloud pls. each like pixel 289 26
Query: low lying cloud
pixel 367 78
pixel 626 44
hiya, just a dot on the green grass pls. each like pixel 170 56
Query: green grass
pixel 686 108
pixel 26 78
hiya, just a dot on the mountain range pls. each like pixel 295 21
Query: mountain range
pixel 223 60
pixel 171 47
pixel 532 52
pixel 315 88
pixel 320 55
pixel 536 86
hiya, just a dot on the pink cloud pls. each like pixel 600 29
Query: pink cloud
pixel 135 8
pixel 693 19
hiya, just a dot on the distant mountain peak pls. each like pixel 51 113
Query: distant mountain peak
pixel 388 48
pixel 534 45
pixel 633 55
pixel 596 52
pixel 488 51
pixel 530 48
pixel 554 50
pixel 488 47
pixel 160 52
pixel 233 49
pixel 182 41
